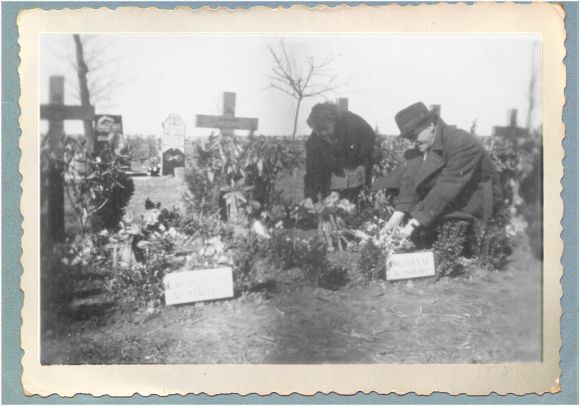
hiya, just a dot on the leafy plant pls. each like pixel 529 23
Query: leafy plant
pixel 96 186
pixel 449 245
pixel 247 250
pixel 232 172
pixel 295 249
pixel 377 246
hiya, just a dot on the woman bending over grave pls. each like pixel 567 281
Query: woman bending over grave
pixel 338 153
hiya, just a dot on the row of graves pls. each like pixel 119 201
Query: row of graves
pixel 191 285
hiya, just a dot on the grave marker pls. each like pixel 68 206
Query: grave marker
pixel 512 130
pixel 200 285
pixel 173 155
pixel 410 265
pixel 227 122
pixel 107 128
pixel 52 194
pixel 342 103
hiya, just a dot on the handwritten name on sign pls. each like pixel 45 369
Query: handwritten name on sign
pixel 411 265
pixel 196 286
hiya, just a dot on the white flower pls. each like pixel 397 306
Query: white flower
pixel 151 217
pixel 259 229
pixel 331 199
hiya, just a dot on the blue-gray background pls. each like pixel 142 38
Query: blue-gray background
pixel 12 220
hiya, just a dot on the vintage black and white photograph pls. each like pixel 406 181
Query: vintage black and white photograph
pixel 246 198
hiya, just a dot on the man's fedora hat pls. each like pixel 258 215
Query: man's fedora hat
pixel 410 118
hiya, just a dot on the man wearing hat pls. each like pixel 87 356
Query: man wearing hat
pixel 448 175
pixel 339 152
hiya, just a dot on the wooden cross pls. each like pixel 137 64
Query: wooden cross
pixel 512 130
pixel 342 103
pixel 227 122
pixel 52 196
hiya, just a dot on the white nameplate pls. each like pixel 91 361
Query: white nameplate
pixel 196 286
pixel 411 265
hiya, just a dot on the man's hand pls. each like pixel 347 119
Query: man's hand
pixel 393 222
pixel 409 228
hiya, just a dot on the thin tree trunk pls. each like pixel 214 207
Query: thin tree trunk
pixel 298 102
pixel 82 71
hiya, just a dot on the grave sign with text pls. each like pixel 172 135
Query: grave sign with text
pixel 173 144
pixel 411 265
pixel 200 285
pixel 108 128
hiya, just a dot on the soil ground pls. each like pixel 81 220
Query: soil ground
pixel 487 317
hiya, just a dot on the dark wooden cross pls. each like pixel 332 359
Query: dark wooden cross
pixel 227 122
pixel 512 130
pixel 52 194
pixel 342 103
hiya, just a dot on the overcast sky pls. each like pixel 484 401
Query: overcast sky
pixel 473 77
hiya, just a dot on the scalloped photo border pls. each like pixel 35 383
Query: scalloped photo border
pixel 159 381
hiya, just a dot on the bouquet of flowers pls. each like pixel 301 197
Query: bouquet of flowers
pixel 331 226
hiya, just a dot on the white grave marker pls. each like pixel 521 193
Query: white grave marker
pixel 173 144
pixel 410 265
pixel 196 286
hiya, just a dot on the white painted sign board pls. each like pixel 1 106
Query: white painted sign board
pixel 410 265
pixel 197 286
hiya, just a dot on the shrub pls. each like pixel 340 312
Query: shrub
pixel 373 261
pixel 493 241
pixel 230 172
pixel 113 210
pixel 296 249
pixel 450 244
pixel 389 155
pixel 248 250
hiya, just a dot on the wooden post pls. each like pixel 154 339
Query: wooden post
pixel 54 193
pixel 227 122
pixel 513 118
pixel 228 110
pixel 342 103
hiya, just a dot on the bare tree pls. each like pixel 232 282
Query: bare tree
pixel 97 78
pixel 313 79
pixel 82 71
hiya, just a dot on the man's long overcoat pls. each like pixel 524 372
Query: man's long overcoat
pixel 351 145
pixel 456 178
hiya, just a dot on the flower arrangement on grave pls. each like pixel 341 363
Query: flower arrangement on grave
pixel 330 223
pixel 377 246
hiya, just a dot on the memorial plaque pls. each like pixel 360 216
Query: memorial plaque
pixel 411 265
pixel 200 285
pixel 173 144
pixel 108 127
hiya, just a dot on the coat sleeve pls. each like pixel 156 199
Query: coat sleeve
pixel 407 197
pixel 462 162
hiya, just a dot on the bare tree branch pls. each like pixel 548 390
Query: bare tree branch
pixel 315 79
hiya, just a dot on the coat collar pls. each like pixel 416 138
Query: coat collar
pixel 437 143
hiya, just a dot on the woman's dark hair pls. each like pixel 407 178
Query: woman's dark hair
pixel 321 114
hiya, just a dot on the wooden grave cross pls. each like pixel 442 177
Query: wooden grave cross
pixel 56 112
pixel 512 130
pixel 227 122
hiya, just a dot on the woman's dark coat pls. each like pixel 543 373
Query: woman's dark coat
pixel 457 179
pixel 351 145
